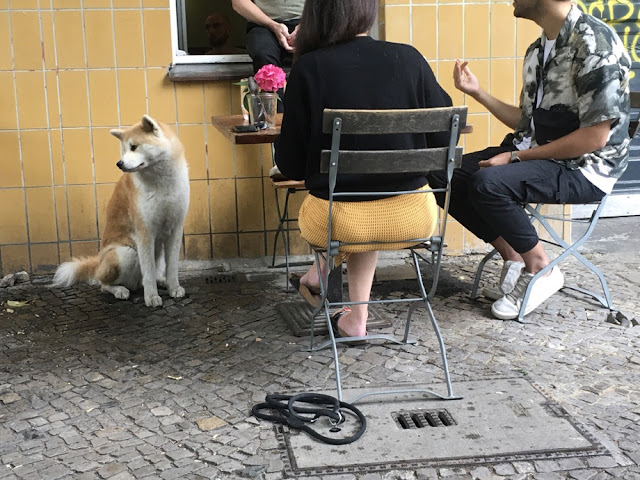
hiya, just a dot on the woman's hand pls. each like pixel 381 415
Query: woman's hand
pixel 464 80
pixel 500 159
pixel 293 36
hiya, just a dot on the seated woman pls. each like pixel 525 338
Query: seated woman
pixel 339 66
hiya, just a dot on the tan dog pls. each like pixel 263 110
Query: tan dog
pixel 145 217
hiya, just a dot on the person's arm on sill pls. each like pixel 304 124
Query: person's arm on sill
pixel 466 82
pixel 252 13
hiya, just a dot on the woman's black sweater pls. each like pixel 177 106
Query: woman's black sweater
pixel 360 74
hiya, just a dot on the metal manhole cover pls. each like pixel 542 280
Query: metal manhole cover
pixel 498 420
pixel 298 318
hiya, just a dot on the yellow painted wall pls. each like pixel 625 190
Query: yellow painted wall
pixel 70 70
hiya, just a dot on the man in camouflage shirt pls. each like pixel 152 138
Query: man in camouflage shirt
pixel 569 145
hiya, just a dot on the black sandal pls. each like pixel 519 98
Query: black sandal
pixel 312 296
pixel 338 332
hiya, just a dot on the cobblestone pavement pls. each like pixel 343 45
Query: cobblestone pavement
pixel 93 387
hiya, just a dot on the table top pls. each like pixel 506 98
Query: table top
pixel 225 123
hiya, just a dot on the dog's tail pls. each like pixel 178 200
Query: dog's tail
pixel 77 270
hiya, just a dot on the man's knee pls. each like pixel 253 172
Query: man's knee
pixel 263 47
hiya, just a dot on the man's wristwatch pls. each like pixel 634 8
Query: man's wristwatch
pixel 514 156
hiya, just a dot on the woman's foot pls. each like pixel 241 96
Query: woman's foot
pixel 310 294
pixel 349 325
pixel 338 332
pixel 313 284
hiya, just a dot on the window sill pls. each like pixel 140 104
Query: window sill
pixel 198 72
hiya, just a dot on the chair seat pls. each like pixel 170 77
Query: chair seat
pixel 286 183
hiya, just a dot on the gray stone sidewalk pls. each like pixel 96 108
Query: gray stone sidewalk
pixel 93 387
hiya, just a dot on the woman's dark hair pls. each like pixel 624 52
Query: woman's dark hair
pixel 328 22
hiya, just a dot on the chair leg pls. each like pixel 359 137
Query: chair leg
pixel 476 281
pixel 333 342
pixel 283 228
pixel 570 250
pixel 278 230
pixel 434 323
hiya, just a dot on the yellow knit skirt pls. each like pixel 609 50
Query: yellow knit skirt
pixel 389 219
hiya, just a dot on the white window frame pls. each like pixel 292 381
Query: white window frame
pixel 177 11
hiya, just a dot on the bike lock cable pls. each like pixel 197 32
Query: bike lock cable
pixel 290 411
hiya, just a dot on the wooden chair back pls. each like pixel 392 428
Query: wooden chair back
pixel 382 122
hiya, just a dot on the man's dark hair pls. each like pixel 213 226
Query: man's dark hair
pixel 328 22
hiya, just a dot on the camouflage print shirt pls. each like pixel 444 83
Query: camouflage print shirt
pixel 587 73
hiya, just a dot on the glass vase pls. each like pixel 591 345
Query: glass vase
pixel 269 102
pixel 256 110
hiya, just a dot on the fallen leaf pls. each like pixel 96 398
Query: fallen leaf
pixel 9 310
pixel 16 304
pixel 172 377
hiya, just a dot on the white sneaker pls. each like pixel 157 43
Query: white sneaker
pixel 508 278
pixel 508 307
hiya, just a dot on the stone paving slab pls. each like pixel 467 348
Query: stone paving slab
pixel 93 387
pixel 494 420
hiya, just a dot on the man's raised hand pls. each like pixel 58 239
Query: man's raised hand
pixel 464 80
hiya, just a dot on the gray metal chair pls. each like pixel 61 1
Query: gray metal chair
pixel 338 161
pixel 286 223
pixel 536 214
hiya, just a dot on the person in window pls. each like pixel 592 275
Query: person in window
pixel 219 31
pixel 271 29
pixel 569 145
pixel 339 66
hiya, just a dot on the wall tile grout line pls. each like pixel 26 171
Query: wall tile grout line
pixel 91 144
pixel 62 142
pixel 21 156
pixel 46 105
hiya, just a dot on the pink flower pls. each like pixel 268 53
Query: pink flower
pixel 270 78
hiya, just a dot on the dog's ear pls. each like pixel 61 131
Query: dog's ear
pixel 116 133
pixel 150 125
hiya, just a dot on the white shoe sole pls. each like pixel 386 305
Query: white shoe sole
pixel 558 282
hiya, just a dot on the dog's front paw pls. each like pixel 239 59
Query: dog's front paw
pixel 121 293
pixel 177 292
pixel 153 300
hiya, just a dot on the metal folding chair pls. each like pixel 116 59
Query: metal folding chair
pixel 286 223
pixel 338 161
pixel 535 213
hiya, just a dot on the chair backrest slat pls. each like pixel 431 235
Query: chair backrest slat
pixel 379 122
pixel 390 161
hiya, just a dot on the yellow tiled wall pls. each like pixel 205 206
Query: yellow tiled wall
pixel 70 70
pixel 486 34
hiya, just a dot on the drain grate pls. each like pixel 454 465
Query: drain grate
pixel 229 277
pixel 410 419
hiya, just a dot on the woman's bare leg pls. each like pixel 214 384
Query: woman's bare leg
pixel 361 268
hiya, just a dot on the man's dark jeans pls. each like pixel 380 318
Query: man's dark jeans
pixel 264 49
pixel 263 46
pixel 487 201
